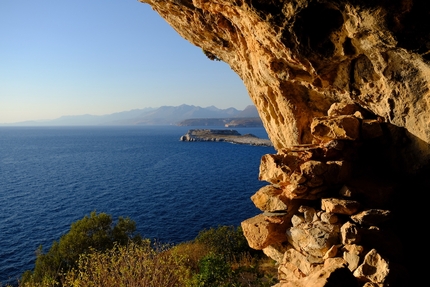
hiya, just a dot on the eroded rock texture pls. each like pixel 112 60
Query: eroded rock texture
pixel 298 57
pixel 342 88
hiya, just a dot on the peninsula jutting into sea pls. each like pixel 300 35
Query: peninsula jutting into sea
pixel 231 136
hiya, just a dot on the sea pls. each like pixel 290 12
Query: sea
pixel 53 176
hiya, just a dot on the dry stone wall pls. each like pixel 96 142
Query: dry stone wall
pixel 326 215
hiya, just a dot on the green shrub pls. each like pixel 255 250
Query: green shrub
pixel 227 241
pixel 229 261
pixel 214 272
pixel 96 232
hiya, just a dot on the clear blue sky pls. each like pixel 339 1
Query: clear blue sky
pixel 97 57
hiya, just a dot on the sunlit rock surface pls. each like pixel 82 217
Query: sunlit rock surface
pixel 296 58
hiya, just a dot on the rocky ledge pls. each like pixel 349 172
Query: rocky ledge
pixel 231 136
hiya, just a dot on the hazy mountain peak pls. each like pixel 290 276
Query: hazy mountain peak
pixel 249 112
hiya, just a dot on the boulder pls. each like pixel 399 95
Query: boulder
pixel 371 216
pixel 313 167
pixel 353 248
pixel 314 238
pixel 269 198
pixel 309 213
pixel 296 263
pixel 352 259
pixel 332 252
pixel 261 233
pixel 350 233
pixel 276 251
pixel 334 274
pixel 277 168
pixel 329 217
pixel 336 128
pixel 374 268
pixel 342 109
pixel 340 206
pixel 296 220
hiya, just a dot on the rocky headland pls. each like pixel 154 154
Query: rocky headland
pixel 343 90
pixel 231 136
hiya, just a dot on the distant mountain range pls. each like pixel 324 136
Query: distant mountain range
pixel 165 115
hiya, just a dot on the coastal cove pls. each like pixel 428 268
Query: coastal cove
pixel 53 176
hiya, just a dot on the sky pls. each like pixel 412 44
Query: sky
pixel 99 57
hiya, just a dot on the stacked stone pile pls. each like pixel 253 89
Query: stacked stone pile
pixel 323 219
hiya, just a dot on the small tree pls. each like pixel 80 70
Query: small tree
pixel 96 232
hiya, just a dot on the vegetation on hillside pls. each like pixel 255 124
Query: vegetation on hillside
pixel 98 252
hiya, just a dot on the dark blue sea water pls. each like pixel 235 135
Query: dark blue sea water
pixel 52 176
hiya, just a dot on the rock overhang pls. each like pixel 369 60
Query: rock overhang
pixel 342 88
pixel 297 58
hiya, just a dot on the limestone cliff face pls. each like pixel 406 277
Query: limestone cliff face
pixel 343 90
pixel 297 57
